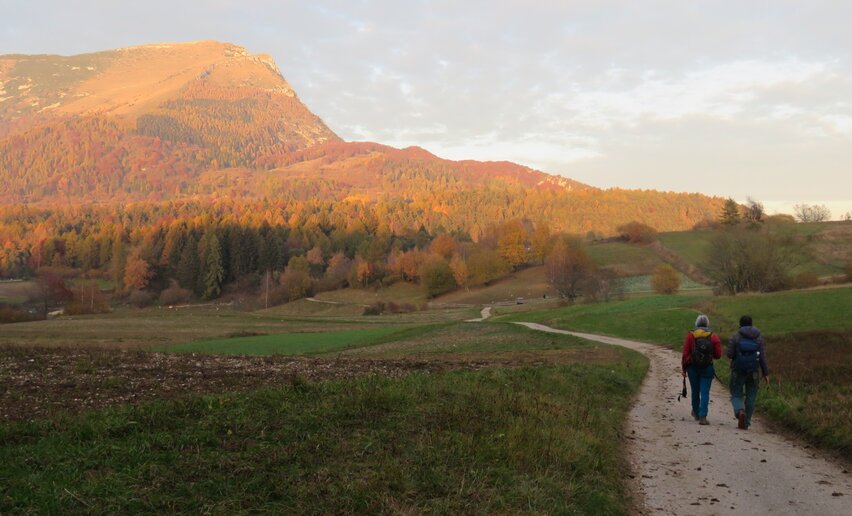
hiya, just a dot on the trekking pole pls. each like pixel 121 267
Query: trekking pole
pixel 683 392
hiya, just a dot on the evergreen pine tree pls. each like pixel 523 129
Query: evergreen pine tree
pixel 730 213
pixel 214 272
pixel 187 269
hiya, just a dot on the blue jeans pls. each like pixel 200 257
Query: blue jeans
pixel 749 382
pixel 699 385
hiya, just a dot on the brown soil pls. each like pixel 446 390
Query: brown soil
pixel 43 382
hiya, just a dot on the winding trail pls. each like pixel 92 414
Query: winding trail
pixel 484 314
pixel 679 467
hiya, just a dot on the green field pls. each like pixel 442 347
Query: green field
pixel 399 292
pixel 160 326
pixel 626 259
pixel 661 319
pixel 664 319
pixel 638 284
pixel 529 283
pixel 543 440
pixel 289 343
pixel 692 246
pixel 484 340
pixel 787 312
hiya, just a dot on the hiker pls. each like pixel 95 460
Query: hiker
pixel 699 350
pixel 748 359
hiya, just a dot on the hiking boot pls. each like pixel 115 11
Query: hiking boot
pixel 703 421
pixel 694 415
pixel 741 420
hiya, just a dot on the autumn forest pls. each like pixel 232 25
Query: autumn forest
pixel 205 173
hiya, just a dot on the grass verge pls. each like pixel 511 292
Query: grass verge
pixel 502 440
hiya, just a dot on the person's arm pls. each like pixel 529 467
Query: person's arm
pixel 764 367
pixel 732 347
pixel 686 356
pixel 717 346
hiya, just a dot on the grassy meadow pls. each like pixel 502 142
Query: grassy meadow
pixel 289 343
pixel 503 440
pixel 532 434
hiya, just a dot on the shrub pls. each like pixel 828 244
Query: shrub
pixel 175 295
pixel 665 280
pixel 742 260
pixel 638 233
pixel 805 280
pixel 376 308
pixel 140 298
pixel 400 308
pixel 436 277
pixel 9 314
pixel 296 283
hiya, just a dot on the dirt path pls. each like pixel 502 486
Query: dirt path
pixel 484 314
pixel 680 467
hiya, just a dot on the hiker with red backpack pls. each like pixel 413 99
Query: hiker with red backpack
pixel 748 359
pixel 700 349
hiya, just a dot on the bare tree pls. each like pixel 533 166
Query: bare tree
pixel 811 212
pixel 568 267
pixel 754 211
pixel 742 260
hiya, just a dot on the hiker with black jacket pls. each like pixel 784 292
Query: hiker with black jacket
pixel 699 350
pixel 748 359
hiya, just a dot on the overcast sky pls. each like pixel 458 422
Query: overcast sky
pixel 728 98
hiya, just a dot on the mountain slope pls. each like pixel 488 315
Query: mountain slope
pixel 193 84
pixel 207 120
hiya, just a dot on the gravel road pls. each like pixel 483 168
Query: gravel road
pixel 679 467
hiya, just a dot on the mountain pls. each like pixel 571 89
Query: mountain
pixel 206 121
pixel 162 90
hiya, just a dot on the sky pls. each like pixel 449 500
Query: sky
pixel 728 98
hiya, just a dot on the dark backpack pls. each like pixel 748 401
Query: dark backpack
pixel 747 358
pixel 702 349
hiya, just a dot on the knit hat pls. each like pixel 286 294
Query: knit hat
pixel 745 321
pixel 702 321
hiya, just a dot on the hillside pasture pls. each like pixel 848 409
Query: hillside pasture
pixel 692 246
pixel 529 284
pixel 826 246
pixel 399 292
pixel 315 308
pixel 625 259
pixel 642 284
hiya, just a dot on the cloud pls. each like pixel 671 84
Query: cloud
pixel 720 96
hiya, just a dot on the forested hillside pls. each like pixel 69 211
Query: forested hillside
pixel 102 155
